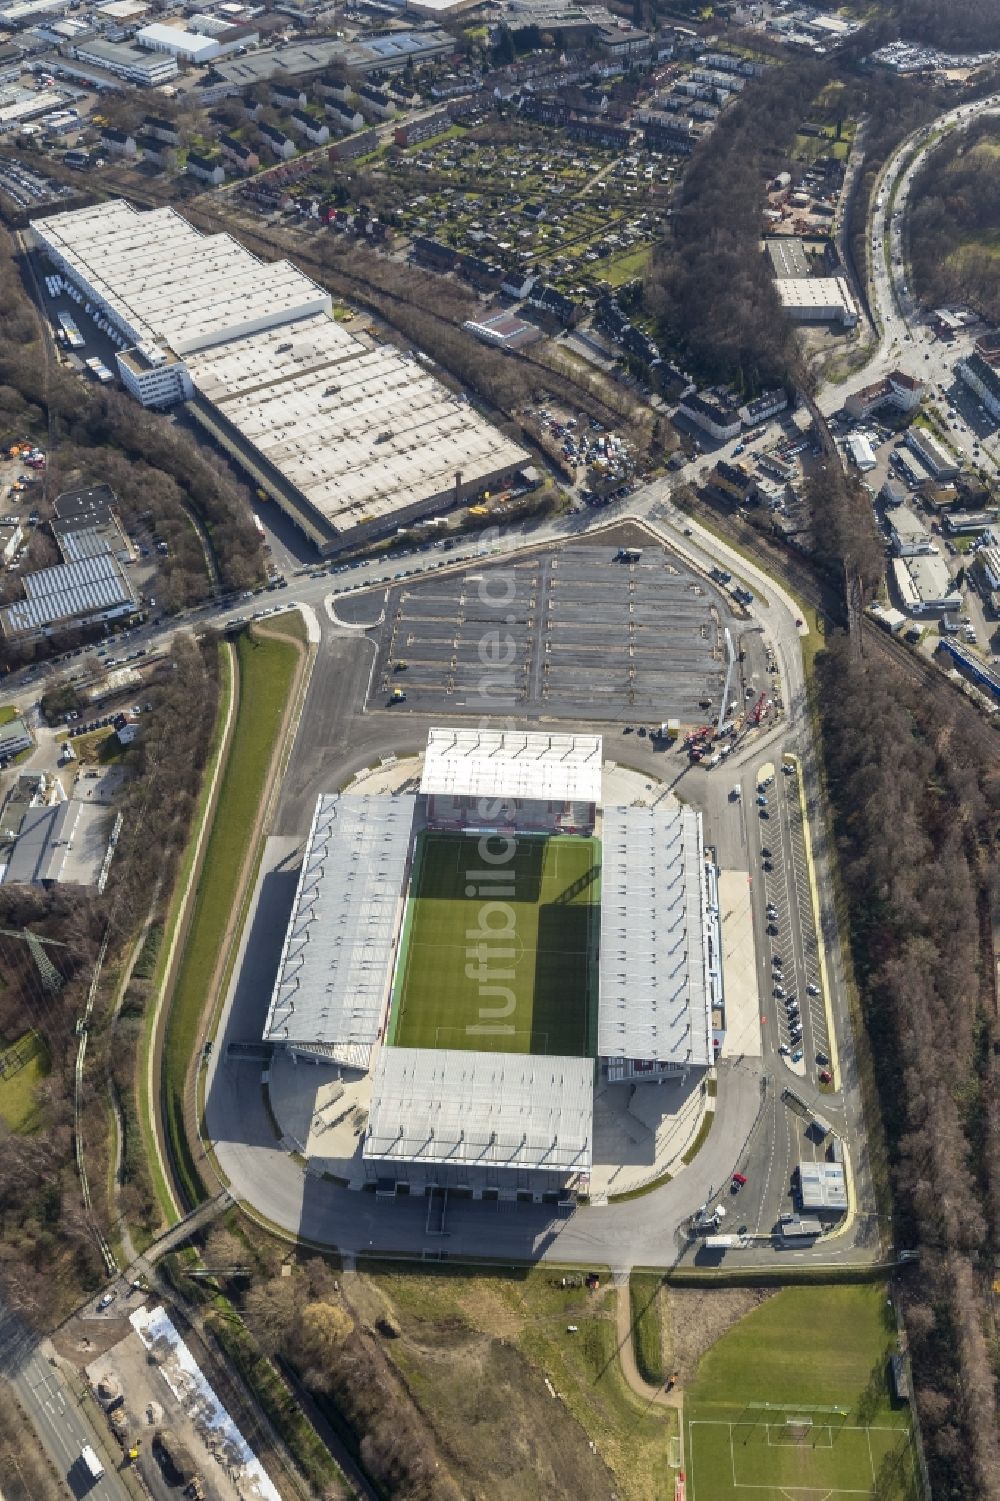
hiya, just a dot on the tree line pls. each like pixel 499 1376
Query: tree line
pixel 954 214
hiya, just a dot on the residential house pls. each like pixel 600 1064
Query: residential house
pixel 126 728
pixel 763 407
pixel 206 168
pixel 161 130
pixel 719 420
pixel 897 390
pixel 344 117
pixel 288 96
pixel 422 130
pixel 117 142
pixel 375 103
pixel 157 151
pixel 314 130
pixel 239 153
pixel 277 143
pixel 332 88
pixel 354 146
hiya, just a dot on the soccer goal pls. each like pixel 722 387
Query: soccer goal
pixel 778 1423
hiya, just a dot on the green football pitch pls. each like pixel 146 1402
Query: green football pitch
pixel 792 1404
pixel 500 958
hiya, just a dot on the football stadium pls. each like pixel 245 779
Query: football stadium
pixel 480 948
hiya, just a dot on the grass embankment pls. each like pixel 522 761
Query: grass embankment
pixel 476 1354
pixel 806 1348
pixel 647 1326
pixel 24 1065
pixel 7 713
pixel 266 669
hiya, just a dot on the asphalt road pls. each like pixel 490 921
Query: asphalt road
pixel 57 1414
pixel 907 340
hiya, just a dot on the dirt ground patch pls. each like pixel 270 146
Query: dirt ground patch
pixel 506 1436
pixel 141 1404
pixel 694 1319
pixel 520 1382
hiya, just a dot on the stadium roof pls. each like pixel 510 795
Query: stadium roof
pixel 655 1002
pixel 505 763
pixel 67 591
pixel 340 945
pixel 497 1110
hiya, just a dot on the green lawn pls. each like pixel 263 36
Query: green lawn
pixel 808 1347
pixel 23 1065
pixel 7 713
pixel 532 987
pixel 647 1327
pixel 626 267
pixel 266 671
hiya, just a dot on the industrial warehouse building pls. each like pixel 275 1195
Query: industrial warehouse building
pixel 482 1072
pixel 351 440
pixel 817 299
pixel 85 592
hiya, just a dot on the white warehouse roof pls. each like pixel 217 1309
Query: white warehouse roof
pixel 655 1001
pixel 513 764
pixel 168 284
pixel 360 432
pixel 336 963
pixel 175 39
pixel 498 1110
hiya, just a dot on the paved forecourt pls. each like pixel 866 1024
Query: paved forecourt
pixel 538 918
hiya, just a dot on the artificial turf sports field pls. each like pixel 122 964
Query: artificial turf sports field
pixel 817 1354
pixel 543 971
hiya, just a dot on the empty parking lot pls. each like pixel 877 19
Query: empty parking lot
pixel 568 633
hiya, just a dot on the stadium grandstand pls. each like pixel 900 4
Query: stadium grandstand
pixel 479 949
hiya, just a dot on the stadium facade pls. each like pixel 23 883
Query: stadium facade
pixel 481 948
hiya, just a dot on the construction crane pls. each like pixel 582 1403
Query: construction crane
pixel 52 980
pixel 759 709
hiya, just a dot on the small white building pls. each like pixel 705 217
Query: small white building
pixel 860 452
pixel 924 585
pixel 822 1187
pixel 185 46
pixel 931 453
